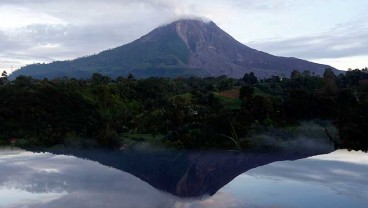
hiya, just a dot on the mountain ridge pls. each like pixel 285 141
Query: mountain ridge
pixel 187 47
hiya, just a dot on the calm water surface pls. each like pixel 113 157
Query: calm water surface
pixel 185 180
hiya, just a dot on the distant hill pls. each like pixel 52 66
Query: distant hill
pixel 182 48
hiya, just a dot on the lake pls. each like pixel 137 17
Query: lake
pixel 86 178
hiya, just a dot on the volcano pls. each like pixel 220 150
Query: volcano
pixel 183 48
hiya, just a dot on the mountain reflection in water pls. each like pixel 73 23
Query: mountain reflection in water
pixel 183 173
pixel 180 179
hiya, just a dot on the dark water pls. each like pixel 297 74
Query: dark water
pixel 181 179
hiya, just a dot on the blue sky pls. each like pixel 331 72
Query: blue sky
pixel 332 32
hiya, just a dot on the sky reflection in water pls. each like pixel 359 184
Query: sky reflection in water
pixel 45 180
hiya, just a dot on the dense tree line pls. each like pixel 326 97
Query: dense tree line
pixel 182 112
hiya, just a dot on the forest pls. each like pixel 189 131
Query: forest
pixel 184 112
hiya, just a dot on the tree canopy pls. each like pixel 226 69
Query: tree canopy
pixel 181 112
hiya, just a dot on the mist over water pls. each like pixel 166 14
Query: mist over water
pixel 308 137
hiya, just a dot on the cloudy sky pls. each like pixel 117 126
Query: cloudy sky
pixel 332 32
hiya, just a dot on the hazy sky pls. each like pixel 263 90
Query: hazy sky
pixel 332 32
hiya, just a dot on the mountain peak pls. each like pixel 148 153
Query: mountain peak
pixel 195 33
pixel 194 20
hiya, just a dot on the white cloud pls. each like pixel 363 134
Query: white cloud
pixel 14 17
pixel 344 63
pixel 343 46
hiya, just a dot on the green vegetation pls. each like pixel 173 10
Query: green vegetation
pixel 144 58
pixel 228 103
pixel 181 112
